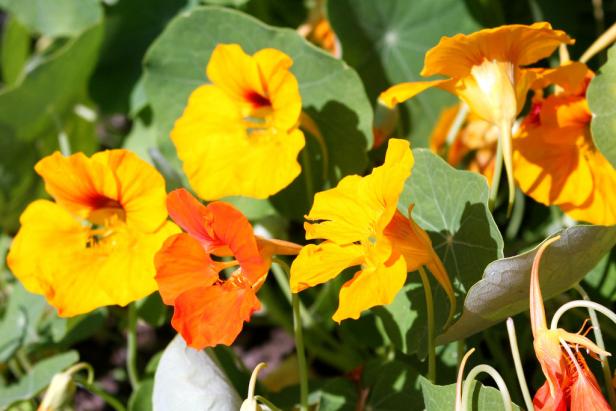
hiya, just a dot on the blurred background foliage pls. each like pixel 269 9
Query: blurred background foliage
pixel 87 75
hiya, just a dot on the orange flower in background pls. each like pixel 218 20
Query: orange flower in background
pixel 485 70
pixel 556 161
pixel 239 135
pixel 320 33
pixel 361 226
pixel 209 309
pixel 473 146
pixel 93 246
pixel 570 384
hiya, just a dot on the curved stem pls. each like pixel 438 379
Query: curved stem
pixel 607 38
pixel 301 355
pixel 459 382
pixel 105 396
pixel 502 387
pixel 308 124
pixel 431 327
pixel 581 303
pixel 515 353
pixel 605 365
pixel 131 349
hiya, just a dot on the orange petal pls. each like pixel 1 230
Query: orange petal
pixel 545 401
pixel 209 316
pixel 586 394
pixel 191 215
pixel 572 77
pixel 181 265
pixel 516 43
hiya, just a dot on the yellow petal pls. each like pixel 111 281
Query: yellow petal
pixel 375 284
pixel 317 264
pixel 404 91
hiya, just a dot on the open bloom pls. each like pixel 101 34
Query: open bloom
pixel 473 146
pixel 555 160
pixel 570 384
pixel 239 135
pixel 210 309
pixel 95 244
pixel 486 70
pixel 361 226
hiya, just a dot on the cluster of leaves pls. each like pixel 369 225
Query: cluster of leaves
pixel 84 75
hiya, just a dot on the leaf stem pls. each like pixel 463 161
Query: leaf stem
pixel 267 402
pixel 105 396
pixel 515 353
pixel 605 365
pixel 496 177
pixel 581 303
pixel 502 387
pixel 431 327
pixel 307 171
pixel 131 349
pixel 301 355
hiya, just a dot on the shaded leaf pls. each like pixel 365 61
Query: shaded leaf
pixel 37 379
pixel 503 290
pixel 15 50
pixel 141 398
pixel 385 41
pixel 601 100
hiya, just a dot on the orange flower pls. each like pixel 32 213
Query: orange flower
pixel 570 383
pixel 485 70
pixel 556 162
pixel 239 135
pixel 361 226
pixel 320 33
pixel 210 310
pixel 95 244
pixel 473 147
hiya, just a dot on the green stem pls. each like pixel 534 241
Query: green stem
pixel 301 355
pixel 430 309
pixel 307 171
pixel 105 396
pixel 496 177
pixel 267 402
pixel 131 355
pixel 515 353
pixel 502 387
pixel 605 365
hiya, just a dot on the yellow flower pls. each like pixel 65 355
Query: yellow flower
pixel 485 70
pixel 95 245
pixel 361 226
pixel 555 159
pixel 239 135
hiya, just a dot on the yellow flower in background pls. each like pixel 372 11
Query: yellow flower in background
pixel 473 146
pixel 95 245
pixel 239 135
pixel 361 226
pixel 555 159
pixel 486 70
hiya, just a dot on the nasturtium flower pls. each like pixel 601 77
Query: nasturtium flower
pixel 473 147
pixel 361 226
pixel 570 385
pixel 239 135
pixel 95 245
pixel 486 70
pixel 210 309
pixel 555 159
pixel 319 32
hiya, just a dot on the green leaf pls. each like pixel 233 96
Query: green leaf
pixel 392 386
pixel 19 323
pixel 141 398
pixel 601 100
pixel 15 50
pixel 602 278
pixel 443 397
pixel 503 290
pixel 37 379
pixel 332 93
pixel 55 18
pixel 48 93
pixel 385 41
pixel 152 310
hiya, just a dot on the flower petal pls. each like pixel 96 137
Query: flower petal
pixel 181 265
pixel 214 315
pixel 317 264
pixel 404 91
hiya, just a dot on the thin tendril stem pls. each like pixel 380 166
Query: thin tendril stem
pixel 431 327
pixel 515 353
pixel 267 402
pixel 105 396
pixel 502 387
pixel 584 304
pixel 301 355
pixel 131 342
